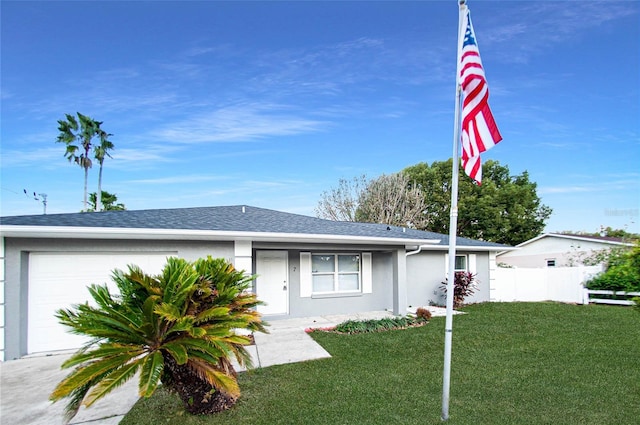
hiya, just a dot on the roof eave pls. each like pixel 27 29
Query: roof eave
pixel 73 232
pixel 461 247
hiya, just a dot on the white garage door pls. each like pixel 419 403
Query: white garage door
pixel 60 280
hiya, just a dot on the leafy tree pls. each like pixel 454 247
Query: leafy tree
pixel 77 135
pixel 108 202
pixel 101 151
pixel 341 203
pixel 178 328
pixel 388 199
pixel 608 232
pixel 391 199
pixel 605 256
pixel 622 271
pixel 505 209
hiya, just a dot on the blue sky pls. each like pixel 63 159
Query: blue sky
pixel 270 103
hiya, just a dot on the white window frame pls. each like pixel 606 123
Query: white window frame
pixel 336 273
pixel 466 263
pixel 366 270
pixel 470 263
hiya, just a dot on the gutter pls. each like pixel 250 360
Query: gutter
pixel 72 232
pixel 417 251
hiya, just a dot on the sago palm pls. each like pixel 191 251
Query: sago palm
pixel 177 328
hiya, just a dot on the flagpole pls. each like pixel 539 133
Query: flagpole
pixel 453 228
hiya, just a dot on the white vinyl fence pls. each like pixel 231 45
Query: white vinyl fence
pixel 591 296
pixel 564 284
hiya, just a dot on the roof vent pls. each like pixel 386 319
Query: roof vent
pixel 243 209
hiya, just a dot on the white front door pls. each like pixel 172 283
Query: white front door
pixel 272 284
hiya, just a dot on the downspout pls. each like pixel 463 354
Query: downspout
pixel 417 251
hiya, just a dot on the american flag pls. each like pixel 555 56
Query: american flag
pixel 479 130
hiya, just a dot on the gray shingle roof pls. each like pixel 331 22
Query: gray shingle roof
pixel 231 218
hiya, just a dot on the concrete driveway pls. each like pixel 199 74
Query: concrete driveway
pixel 25 385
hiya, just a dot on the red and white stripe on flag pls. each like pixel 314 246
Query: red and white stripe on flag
pixel 479 130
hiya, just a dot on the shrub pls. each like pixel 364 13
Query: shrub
pixel 464 285
pixel 178 328
pixel 622 274
pixel 385 324
pixel 423 313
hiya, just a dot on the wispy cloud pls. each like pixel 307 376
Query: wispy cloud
pixel 239 123
pixel 46 158
pixel 566 189
pixel 335 69
pixel 143 157
pixel 246 190
pixel 591 187
pixel 5 94
pixel 548 23
pixel 244 95
pixel 231 189
pixel 178 180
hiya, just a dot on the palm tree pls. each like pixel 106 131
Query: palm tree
pixel 108 201
pixel 100 152
pixel 77 135
pixel 177 328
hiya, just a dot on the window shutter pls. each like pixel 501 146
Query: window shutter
pixel 305 275
pixel 446 262
pixel 367 276
pixel 446 266
pixel 472 264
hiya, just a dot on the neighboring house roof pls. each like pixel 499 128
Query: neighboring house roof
pixel 605 239
pixel 223 223
pixel 601 239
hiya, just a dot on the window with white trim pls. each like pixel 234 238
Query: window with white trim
pixel 335 273
pixel 461 263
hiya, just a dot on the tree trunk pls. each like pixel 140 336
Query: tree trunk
pixel 86 179
pixel 198 396
pixel 99 193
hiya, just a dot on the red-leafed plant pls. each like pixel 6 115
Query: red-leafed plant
pixel 465 285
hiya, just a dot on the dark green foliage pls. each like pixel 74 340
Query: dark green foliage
pixel 505 209
pixel 377 325
pixel 622 274
pixel 513 364
pixel 608 232
pixel 108 202
pixel 178 328
pixel 636 303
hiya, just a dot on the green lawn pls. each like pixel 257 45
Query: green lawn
pixel 513 363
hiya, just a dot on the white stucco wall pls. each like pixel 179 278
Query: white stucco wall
pixel 562 250
pixel 427 270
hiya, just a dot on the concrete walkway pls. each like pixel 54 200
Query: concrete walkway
pixel 25 384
